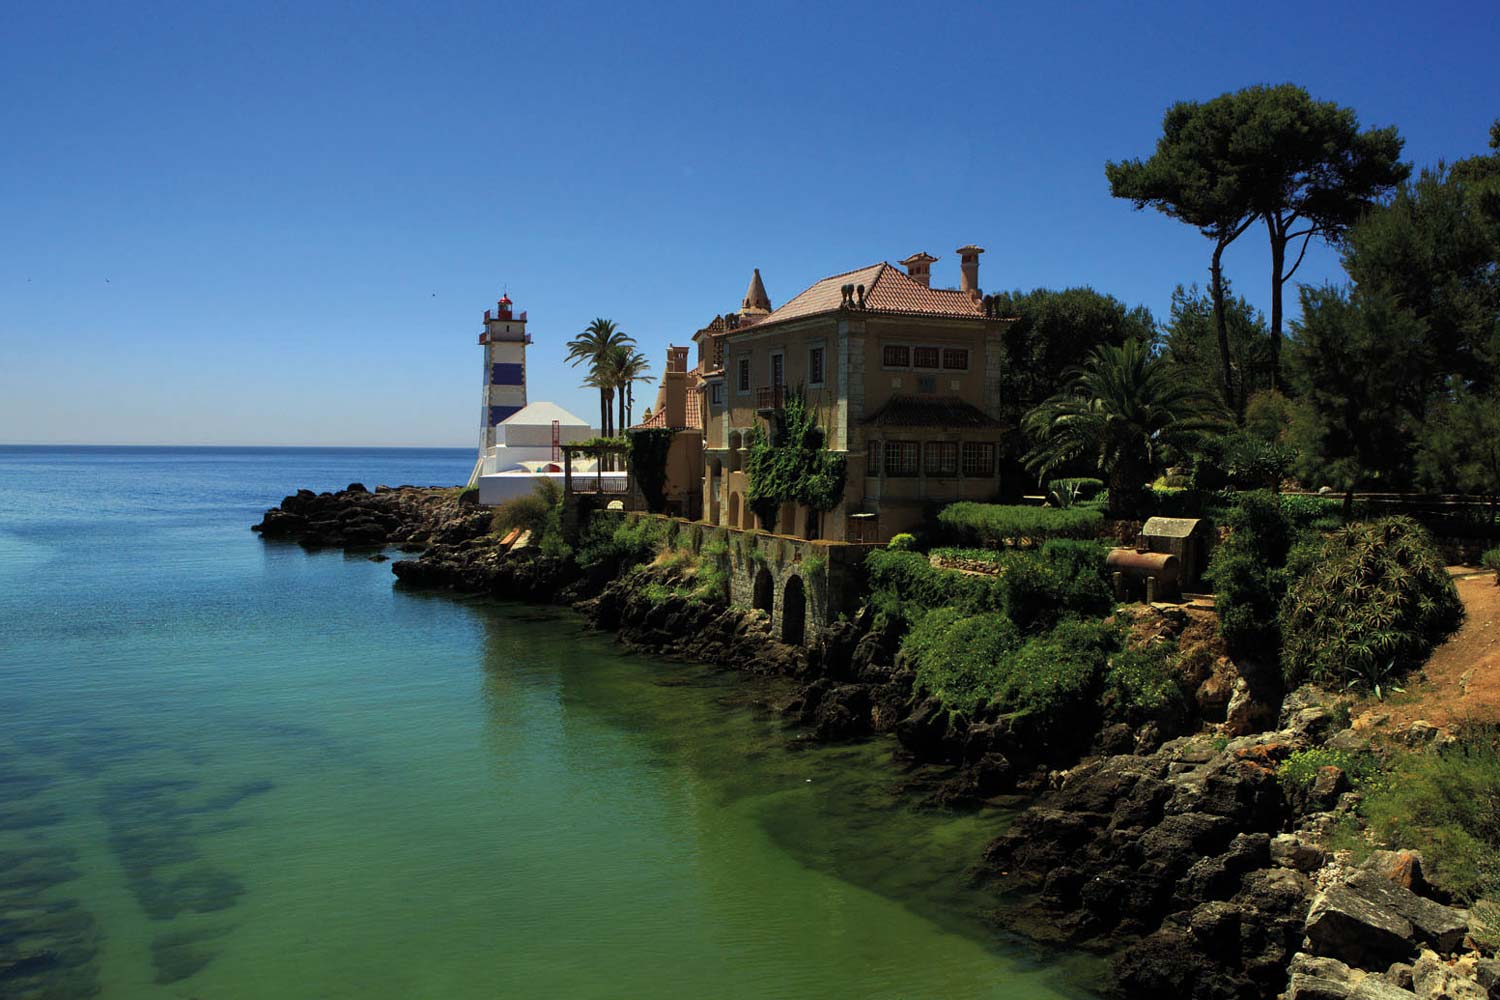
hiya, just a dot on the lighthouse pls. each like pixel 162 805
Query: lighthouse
pixel 504 341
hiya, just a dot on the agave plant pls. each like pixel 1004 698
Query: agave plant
pixel 1370 608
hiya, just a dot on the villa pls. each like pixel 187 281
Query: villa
pixel 904 378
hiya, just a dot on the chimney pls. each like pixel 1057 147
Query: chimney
pixel 919 268
pixel 969 262
pixel 674 387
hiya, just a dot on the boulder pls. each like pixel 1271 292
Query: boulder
pixel 1290 851
pixel 1434 979
pixel 1343 924
pixel 1401 867
pixel 1434 924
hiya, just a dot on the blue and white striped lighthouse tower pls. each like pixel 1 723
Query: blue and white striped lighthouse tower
pixel 504 341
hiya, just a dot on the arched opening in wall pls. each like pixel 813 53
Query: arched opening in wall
pixel 765 591
pixel 733 459
pixel 733 520
pixel 793 612
pixel 748 518
pixel 814 524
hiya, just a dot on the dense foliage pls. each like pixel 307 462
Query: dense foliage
pixel 998 525
pixel 613 539
pixel 648 463
pixel 1124 410
pixel 1371 606
pixel 1052 684
pixel 1247 572
pixel 792 464
pixel 1267 154
pixel 1445 803
pixel 1054 332
pixel 1032 589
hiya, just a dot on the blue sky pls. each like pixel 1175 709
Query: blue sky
pixel 281 223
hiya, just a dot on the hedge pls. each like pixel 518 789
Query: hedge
pixel 996 525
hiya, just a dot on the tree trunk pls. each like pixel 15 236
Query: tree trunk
pixel 1278 264
pixel 623 424
pixel 603 423
pixel 1221 328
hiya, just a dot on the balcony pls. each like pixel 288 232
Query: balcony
pixel 770 397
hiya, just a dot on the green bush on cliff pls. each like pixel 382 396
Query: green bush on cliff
pixel 1052 685
pixel 1141 684
pixel 1247 572
pixel 960 658
pixel 1370 607
pixel 615 539
pixel 990 525
pixel 1446 804
pixel 906 585
pixel 1031 588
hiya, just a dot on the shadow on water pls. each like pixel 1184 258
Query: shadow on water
pixel 835 809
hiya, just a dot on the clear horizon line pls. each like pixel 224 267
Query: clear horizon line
pixel 168 444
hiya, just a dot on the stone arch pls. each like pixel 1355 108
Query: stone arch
pixel 748 518
pixel 793 611
pixel 765 591
pixel 734 510
pixel 732 460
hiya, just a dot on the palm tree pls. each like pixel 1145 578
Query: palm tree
pixel 594 346
pixel 1122 408
pixel 632 368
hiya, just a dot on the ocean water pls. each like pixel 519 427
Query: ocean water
pixel 232 768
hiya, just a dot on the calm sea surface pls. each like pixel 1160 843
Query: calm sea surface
pixel 235 769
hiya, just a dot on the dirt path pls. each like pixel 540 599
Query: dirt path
pixel 1461 680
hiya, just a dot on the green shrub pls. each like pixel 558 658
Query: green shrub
pixel 1051 683
pixel 1047 685
pixel 616 540
pixel 1033 589
pixel 1370 608
pixel 1140 684
pixel 1490 560
pixel 959 657
pixel 1310 511
pixel 906 585
pixel 902 543
pixel 1083 488
pixel 1247 572
pixel 1079 564
pixel 997 525
pixel 1447 805
pixel 1301 769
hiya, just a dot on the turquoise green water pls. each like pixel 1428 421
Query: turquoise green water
pixel 232 769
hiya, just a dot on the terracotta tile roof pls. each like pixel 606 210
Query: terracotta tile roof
pixel 694 407
pixel 929 411
pixel 887 290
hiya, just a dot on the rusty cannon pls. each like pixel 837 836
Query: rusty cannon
pixel 1157 576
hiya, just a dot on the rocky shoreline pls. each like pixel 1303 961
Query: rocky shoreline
pixel 1178 853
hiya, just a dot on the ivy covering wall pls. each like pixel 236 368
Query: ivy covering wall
pixel 648 461
pixel 793 463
